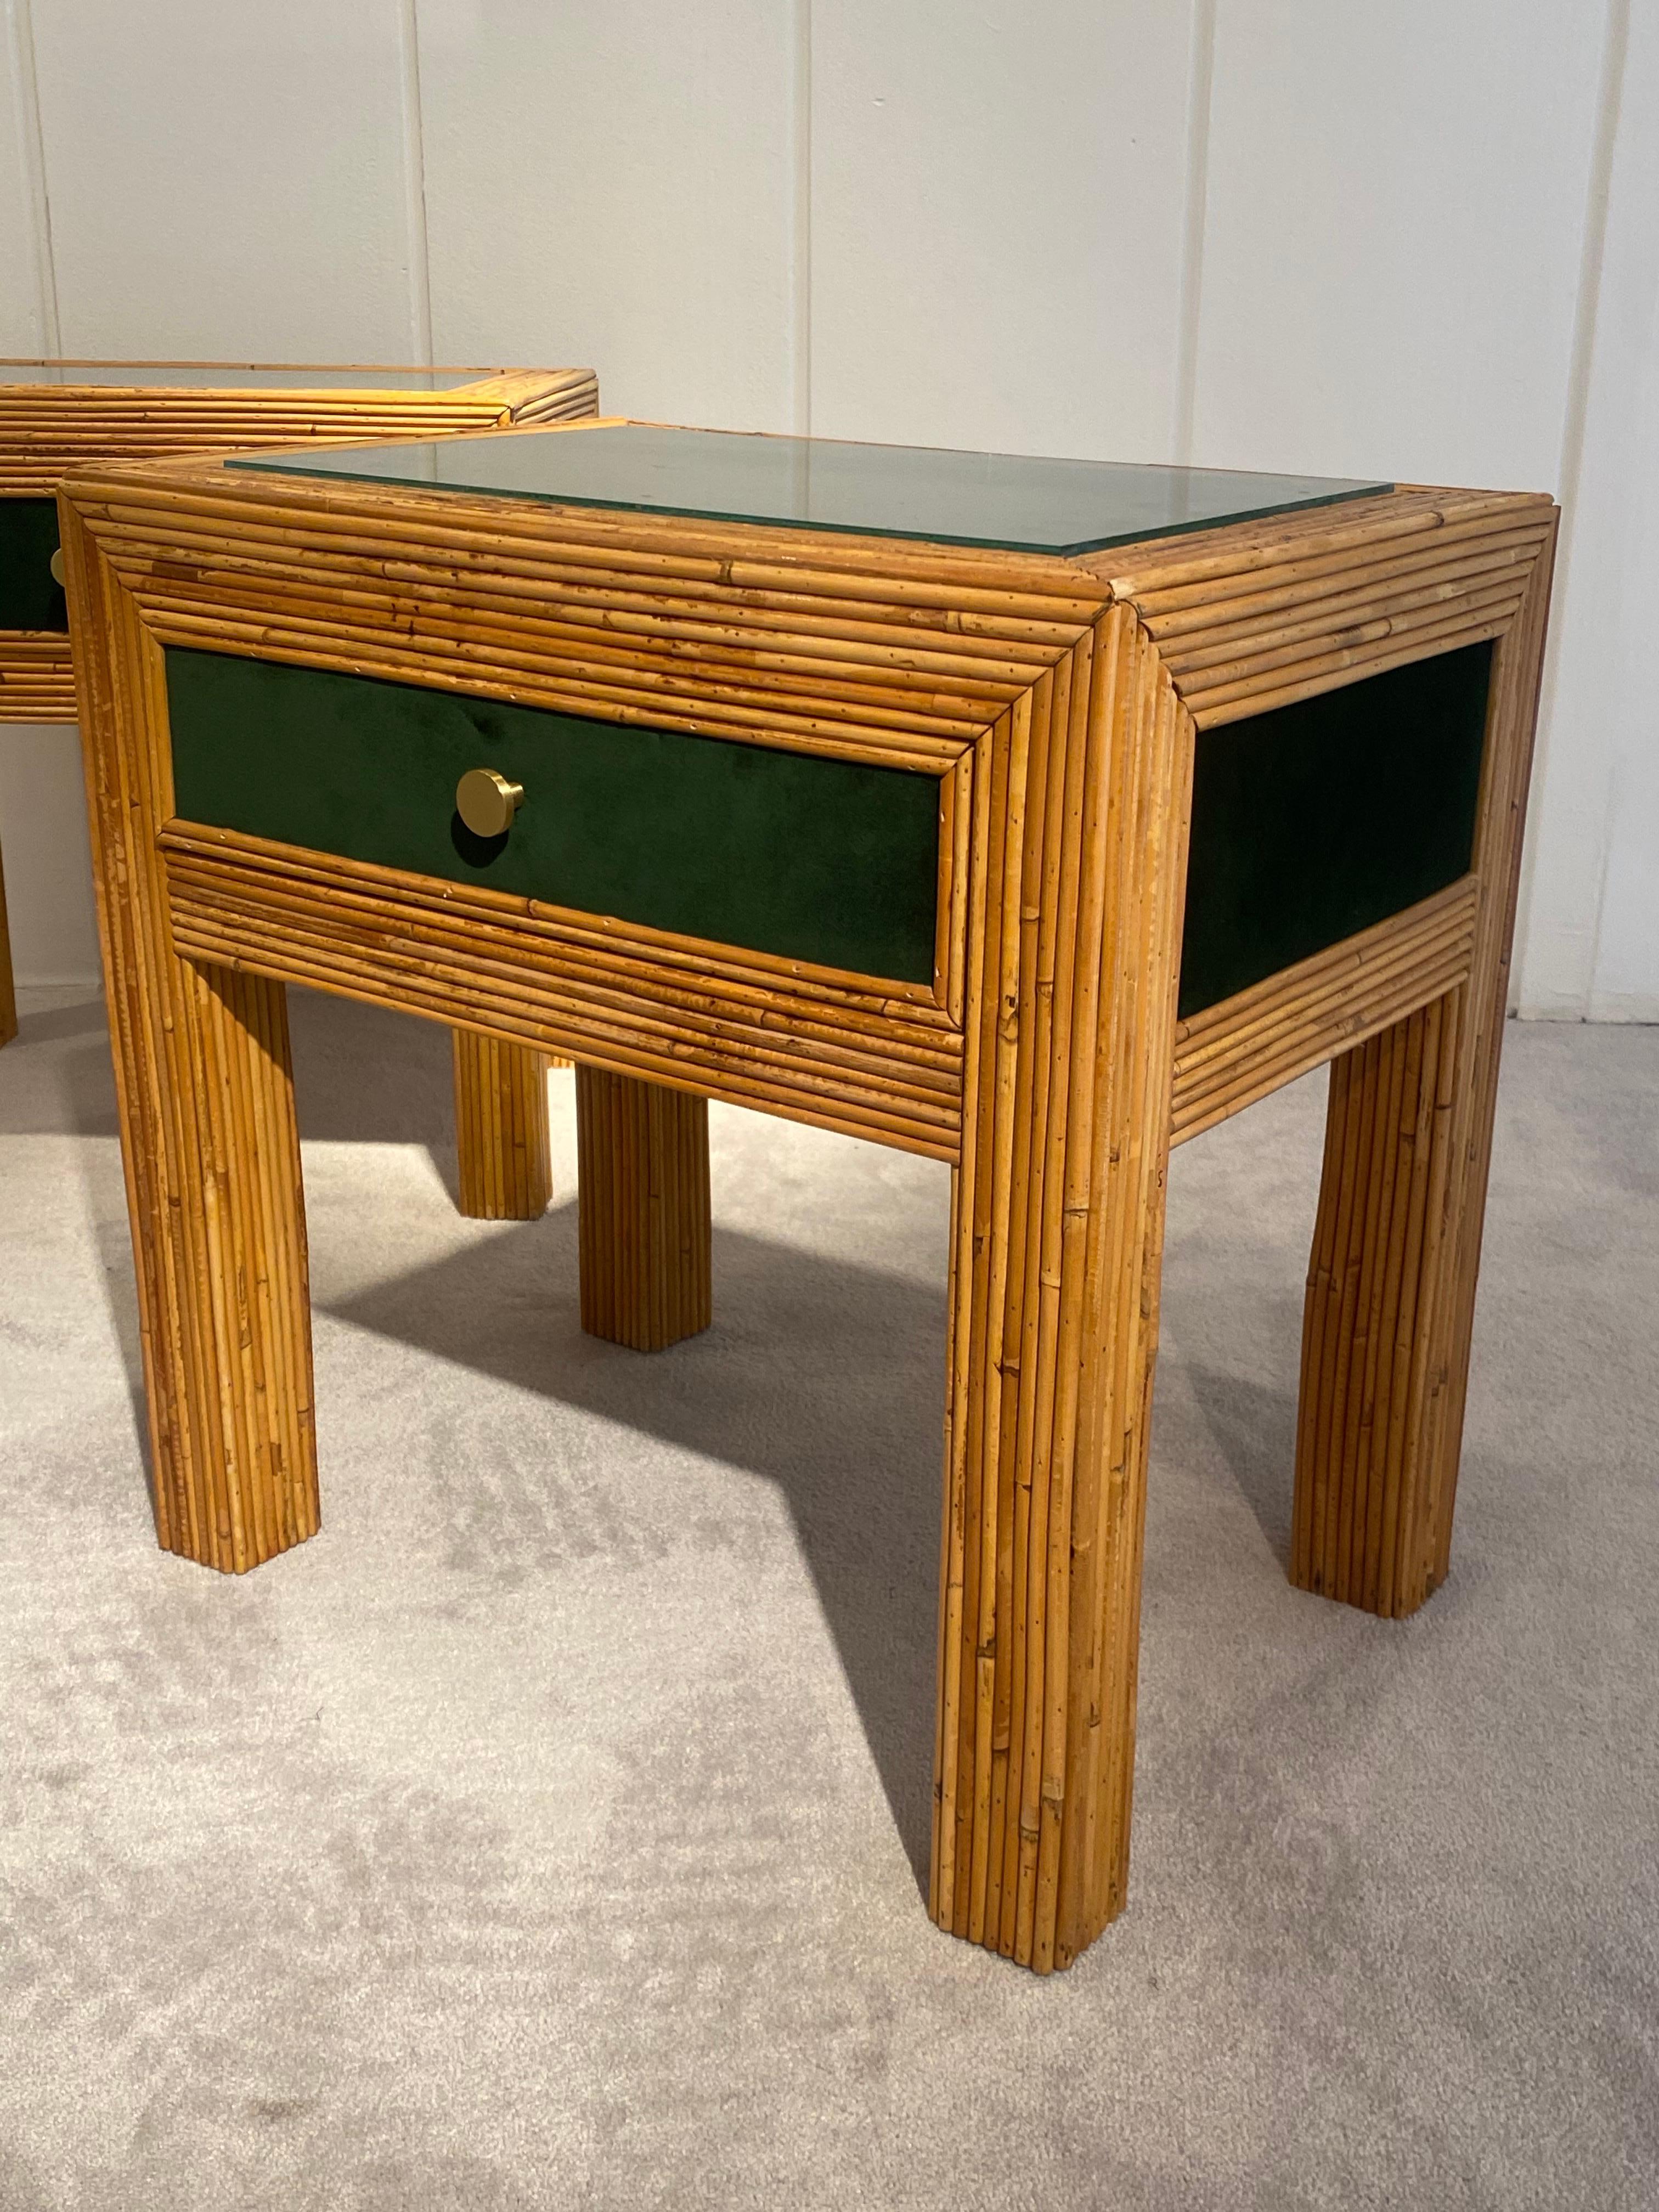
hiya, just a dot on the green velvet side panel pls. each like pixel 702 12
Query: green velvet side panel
pixel 30 596
pixel 1315 821
pixel 815 860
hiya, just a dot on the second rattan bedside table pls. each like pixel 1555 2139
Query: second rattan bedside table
pixel 57 416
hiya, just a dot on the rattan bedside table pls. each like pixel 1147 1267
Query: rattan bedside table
pixel 1033 816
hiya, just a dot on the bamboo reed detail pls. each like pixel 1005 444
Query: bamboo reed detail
pixel 643 1219
pixel 502 1140
pixel 49 431
pixel 1391 1282
pixel 1236 1052
pixel 1516 680
pixel 839 1060
pixel 733 972
pixel 1056 1252
pixel 1056 701
pixel 212 1158
pixel 1372 1284
pixel 37 678
pixel 1259 616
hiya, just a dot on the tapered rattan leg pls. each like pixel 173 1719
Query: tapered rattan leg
pixel 205 1095
pixel 642 1211
pixel 7 992
pixel 1379 1321
pixel 1056 1255
pixel 502 1142
pixel 219 1230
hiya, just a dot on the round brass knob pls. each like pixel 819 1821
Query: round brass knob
pixel 487 802
pixel 56 564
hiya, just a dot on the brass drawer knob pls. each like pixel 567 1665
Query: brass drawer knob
pixel 56 564
pixel 487 802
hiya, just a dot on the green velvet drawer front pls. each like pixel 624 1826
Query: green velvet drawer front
pixel 1313 821
pixel 31 598
pixel 815 859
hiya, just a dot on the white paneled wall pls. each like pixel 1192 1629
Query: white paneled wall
pixel 1419 241
pixel 47 859
pixel 226 179
pixel 1393 235
pixel 24 315
pixel 616 184
pixel 1590 919
pixel 997 214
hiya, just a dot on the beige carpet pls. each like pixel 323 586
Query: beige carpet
pixel 546 1834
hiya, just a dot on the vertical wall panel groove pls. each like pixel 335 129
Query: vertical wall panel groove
pixel 1201 80
pixel 420 271
pixel 801 274
pixel 33 162
pixel 1586 317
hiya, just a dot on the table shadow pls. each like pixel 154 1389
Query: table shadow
pixel 361 1075
pixel 822 1375
pixel 1253 1426
pixel 67 1089
pixel 67 1092
pixel 369 1075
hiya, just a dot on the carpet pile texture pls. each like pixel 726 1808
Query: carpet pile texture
pixel 548 1831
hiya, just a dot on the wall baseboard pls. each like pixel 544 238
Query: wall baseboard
pixel 1623 1007
pixel 1629 1007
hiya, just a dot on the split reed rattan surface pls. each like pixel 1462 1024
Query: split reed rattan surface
pixel 63 420
pixel 1058 703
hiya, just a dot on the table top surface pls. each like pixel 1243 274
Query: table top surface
pixel 1014 501
pixel 237 375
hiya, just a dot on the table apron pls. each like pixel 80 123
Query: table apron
pixel 889 1069
pixel 37 676
pixel 1258 1040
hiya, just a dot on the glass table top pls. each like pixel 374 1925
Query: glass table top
pixel 240 376
pixel 1013 502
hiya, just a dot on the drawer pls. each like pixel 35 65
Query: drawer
pixel 31 598
pixel 826 861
